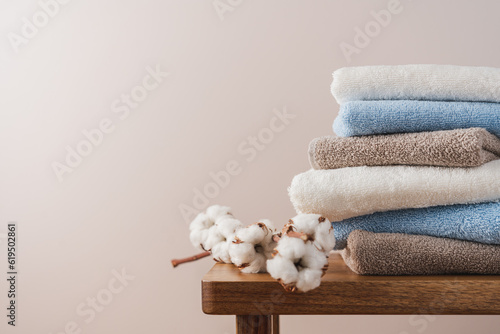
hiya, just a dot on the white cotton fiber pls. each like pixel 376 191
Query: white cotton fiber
pixel 215 226
pixel 214 237
pixel 253 234
pixel 291 248
pixel 258 264
pixel 241 253
pixel 318 227
pixel 214 212
pixel 313 258
pixel 324 236
pixel 306 223
pixel 306 242
pixel 228 225
pixel 308 279
pixel 282 269
pixel 252 246
pixel 220 252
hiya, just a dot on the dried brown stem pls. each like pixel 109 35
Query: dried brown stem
pixel 176 262
pixel 294 234
pixel 300 235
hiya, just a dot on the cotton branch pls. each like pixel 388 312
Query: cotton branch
pixel 176 262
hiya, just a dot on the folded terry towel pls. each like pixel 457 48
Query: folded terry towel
pixel 453 148
pixel 370 253
pixel 376 117
pixel 416 82
pixel 343 193
pixel 472 222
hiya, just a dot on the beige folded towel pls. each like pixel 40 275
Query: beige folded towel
pixel 452 148
pixel 369 253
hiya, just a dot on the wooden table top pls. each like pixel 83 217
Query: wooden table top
pixel 225 290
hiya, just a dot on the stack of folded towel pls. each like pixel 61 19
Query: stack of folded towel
pixel 412 182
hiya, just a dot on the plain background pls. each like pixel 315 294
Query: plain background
pixel 120 207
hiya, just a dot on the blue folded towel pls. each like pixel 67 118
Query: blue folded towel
pixel 357 118
pixel 473 222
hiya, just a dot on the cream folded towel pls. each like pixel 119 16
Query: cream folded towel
pixel 370 253
pixel 453 148
pixel 343 193
pixel 417 82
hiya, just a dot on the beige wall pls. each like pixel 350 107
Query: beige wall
pixel 120 206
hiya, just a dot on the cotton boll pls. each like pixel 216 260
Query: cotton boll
pixel 308 279
pixel 318 227
pixel 212 227
pixel 228 225
pixel 291 248
pixel 252 243
pixel 324 236
pixel 269 224
pixel 214 237
pixel 252 234
pixel 198 238
pixel 267 243
pixel 283 269
pixel 256 266
pixel 200 222
pixel 306 223
pixel 216 211
pixel 199 230
pixel 303 252
pixel 220 252
pixel 241 253
pixel 313 258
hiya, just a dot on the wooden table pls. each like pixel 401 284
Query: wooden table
pixel 257 300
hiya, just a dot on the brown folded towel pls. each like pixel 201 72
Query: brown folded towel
pixel 369 253
pixel 453 148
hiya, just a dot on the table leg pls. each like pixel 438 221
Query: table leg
pixel 276 324
pixel 257 324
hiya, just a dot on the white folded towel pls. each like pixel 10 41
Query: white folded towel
pixel 416 82
pixel 343 193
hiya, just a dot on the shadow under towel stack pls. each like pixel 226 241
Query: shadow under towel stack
pixel 412 182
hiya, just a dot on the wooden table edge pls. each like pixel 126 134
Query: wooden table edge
pixel 225 291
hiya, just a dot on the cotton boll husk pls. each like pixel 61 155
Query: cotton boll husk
pixel 216 211
pixel 257 265
pixel 291 248
pixel 220 252
pixel 324 236
pixel 228 226
pixel 282 268
pixel 308 279
pixel 214 237
pixel 242 253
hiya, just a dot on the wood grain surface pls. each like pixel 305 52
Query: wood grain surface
pixel 225 290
